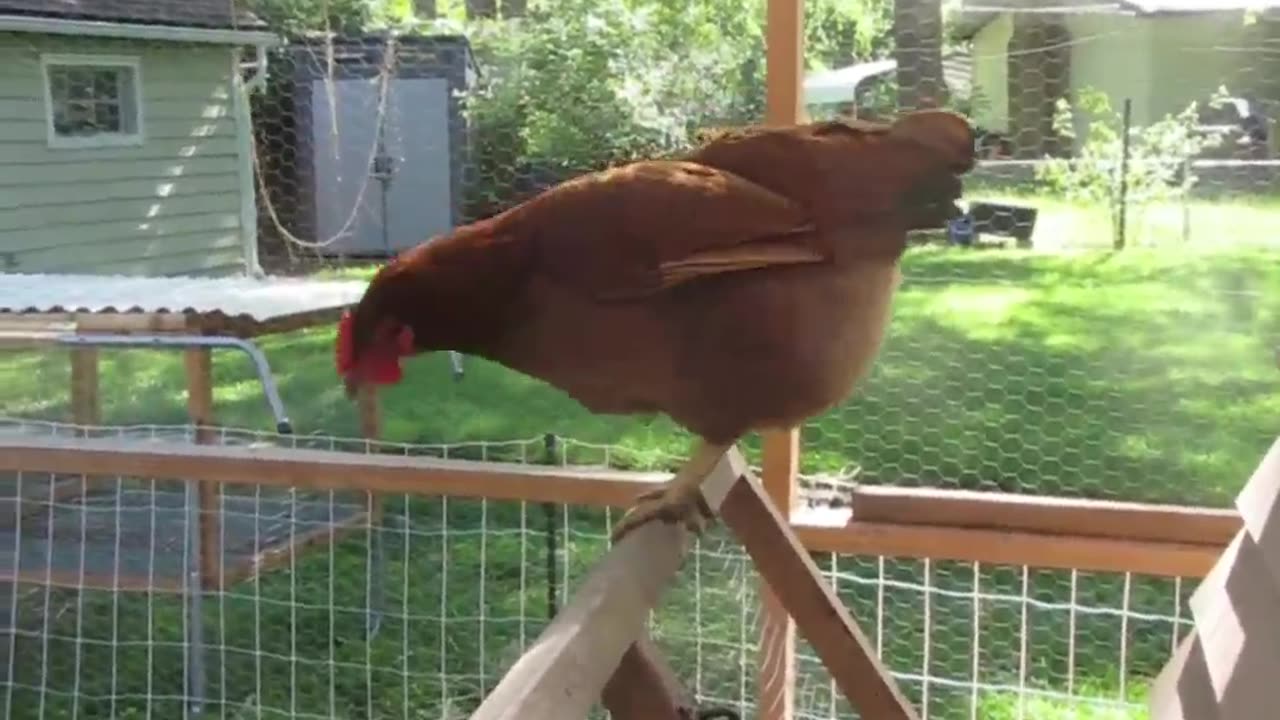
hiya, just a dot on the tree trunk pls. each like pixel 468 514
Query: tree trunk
pixel 478 9
pixel 424 8
pixel 514 8
pixel 917 40
pixel 1039 75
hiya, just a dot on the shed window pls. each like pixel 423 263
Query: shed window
pixel 92 101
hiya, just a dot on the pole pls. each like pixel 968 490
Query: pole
pixel 1122 220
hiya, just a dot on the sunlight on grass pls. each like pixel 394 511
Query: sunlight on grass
pixel 1008 706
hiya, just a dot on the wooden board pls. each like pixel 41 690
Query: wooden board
pixel 1035 513
pixel 820 616
pixel 565 671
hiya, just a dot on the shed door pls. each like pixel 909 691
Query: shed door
pixel 344 139
pixel 415 140
pixel 419 198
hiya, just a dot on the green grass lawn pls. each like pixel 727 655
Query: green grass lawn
pixel 1146 375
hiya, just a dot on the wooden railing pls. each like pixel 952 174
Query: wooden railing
pixel 997 528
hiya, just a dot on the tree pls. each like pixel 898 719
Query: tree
pixel 917 46
pixel 482 9
pixel 1155 166
pixel 424 8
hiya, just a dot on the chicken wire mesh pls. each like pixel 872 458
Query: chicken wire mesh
pixel 465 585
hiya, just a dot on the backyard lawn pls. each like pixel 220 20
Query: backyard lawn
pixel 1145 375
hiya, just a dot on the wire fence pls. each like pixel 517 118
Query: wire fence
pixel 420 614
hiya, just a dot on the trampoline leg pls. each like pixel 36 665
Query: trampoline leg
pixel 376 582
pixel 195 608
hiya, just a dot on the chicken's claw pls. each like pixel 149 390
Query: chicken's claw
pixel 673 502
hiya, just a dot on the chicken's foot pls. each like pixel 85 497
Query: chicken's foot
pixel 680 498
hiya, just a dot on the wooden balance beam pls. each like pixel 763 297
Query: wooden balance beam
pixel 572 663
pixel 565 671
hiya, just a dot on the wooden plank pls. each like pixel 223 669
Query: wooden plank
pixel 825 622
pixel 199 372
pixel 1007 547
pixel 644 687
pixel 563 674
pixel 1182 690
pixel 1056 515
pixel 278 555
pixel 1259 506
pixel 1235 614
pixel 328 470
pixel 827 531
pixel 776 656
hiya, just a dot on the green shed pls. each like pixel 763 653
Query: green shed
pixel 125 137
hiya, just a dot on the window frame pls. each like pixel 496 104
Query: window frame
pixel 104 139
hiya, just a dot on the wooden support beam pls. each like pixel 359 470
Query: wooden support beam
pixel 784 62
pixel 564 672
pixel 776 656
pixel 824 621
pixel 86 410
pixel 86 405
pixel 371 429
pixel 644 687
pixel 199 371
pixel 1053 515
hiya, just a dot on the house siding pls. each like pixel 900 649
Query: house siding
pixel 171 205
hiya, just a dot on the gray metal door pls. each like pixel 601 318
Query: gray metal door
pixel 344 134
pixel 419 197
pixel 402 174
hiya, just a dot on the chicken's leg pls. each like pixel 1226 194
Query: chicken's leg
pixel 680 498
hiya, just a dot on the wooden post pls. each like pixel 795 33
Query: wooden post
pixel 802 593
pixel 784 62
pixel 199 370
pixel 371 429
pixel 86 406
pixel 784 105
pixel 86 409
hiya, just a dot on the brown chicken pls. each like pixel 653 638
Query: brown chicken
pixel 746 287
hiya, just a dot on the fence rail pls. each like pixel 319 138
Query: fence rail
pixel 1040 539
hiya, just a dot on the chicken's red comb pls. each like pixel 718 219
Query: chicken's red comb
pixel 342 344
